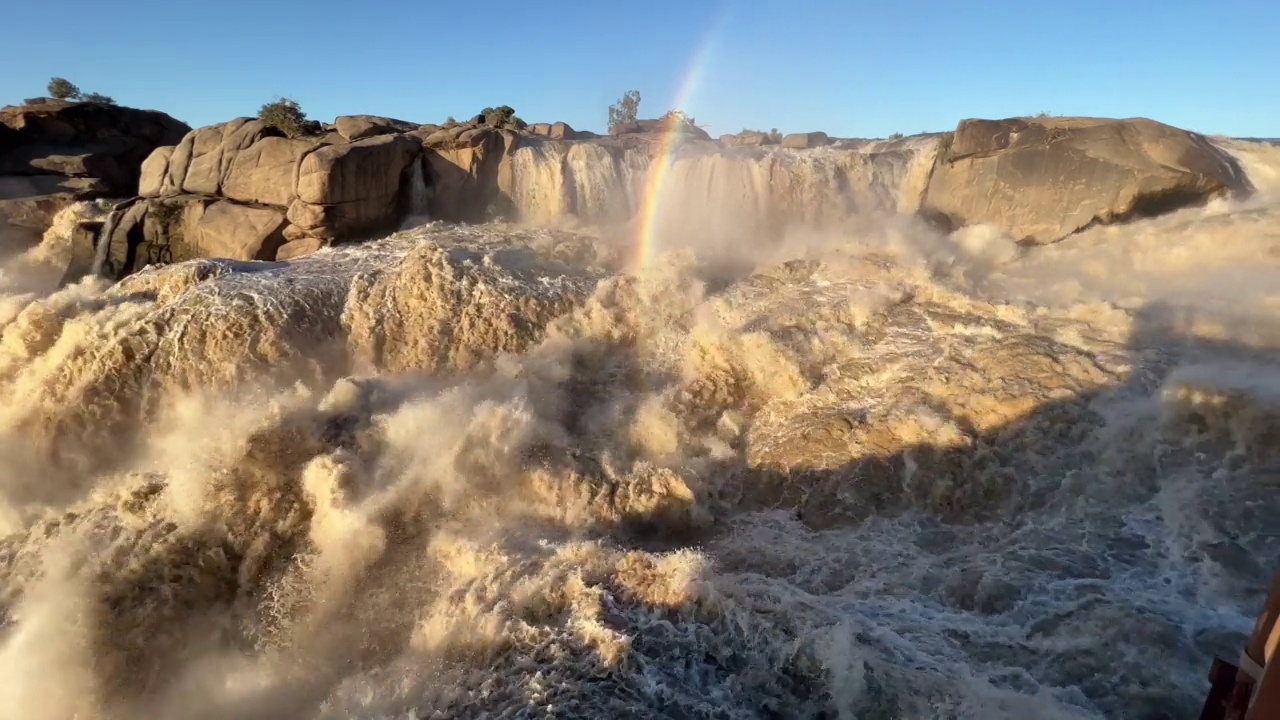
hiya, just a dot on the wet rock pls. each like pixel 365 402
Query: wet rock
pixel 159 231
pixel 1042 179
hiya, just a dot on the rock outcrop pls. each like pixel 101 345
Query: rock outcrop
pixel 748 138
pixel 662 125
pixel 1042 179
pixel 470 172
pixel 54 152
pixel 348 190
pixel 358 127
pixel 803 141
pixel 241 190
pixel 159 231
pixel 557 131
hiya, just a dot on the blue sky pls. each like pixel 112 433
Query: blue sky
pixel 853 69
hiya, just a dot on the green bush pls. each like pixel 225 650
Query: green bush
pixel 97 98
pixel 625 110
pixel 896 136
pixel 63 89
pixel 503 116
pixel 285 115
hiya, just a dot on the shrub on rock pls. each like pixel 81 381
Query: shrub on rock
pixel 63 89
pixel 285 115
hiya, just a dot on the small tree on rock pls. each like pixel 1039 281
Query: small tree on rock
pixel 285 115
pixel 625 110
pixel 63 89
pixel 503 116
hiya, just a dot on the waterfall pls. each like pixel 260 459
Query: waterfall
pixel 720 196
pixel 417 198
pixel 588 181
pixel 102 243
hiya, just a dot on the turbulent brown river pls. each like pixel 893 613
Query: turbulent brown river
pixel 859 470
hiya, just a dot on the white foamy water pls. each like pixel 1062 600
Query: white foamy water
pixel 467 472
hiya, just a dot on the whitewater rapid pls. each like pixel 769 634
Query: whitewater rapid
pixel 868 472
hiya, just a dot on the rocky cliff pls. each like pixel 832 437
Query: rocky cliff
pixel 54 152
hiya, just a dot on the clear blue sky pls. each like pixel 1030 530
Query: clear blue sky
pixel 851 68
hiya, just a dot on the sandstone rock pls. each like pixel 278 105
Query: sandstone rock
pixel 554 131
pixel 201 161
pixel 802 141
pixel 297 248
pixel 1042 179
pixel 265 171
pixel 746 138
pixel 471 176
pixel 358 127
pixel 354 172
pixel 477 119
pixel 660 125
pixel 355 188
pixel 154 170
pixel 159 231
pixel 562 131
pixel 54 152
pixel 130 132
pixel 328 188
pixel 207 161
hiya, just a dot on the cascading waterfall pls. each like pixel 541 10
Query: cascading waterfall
pixel 724 195
pixel 417 196
pixel 596 184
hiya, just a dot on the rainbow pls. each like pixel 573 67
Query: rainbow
pixel 660 168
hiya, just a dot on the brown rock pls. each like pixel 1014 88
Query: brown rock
pixel 1042 179
pixel 159 231
pixel 296 248
pixel 230 230
pixel 204 156
pixel 471 177
pixel 354 172
pixel 562 131
pixel 357 186
pixel 358 127
pixel 242 159
pixel 539 129
pixel 154 170
pixel 746 138
pixel 54 152
pixel 803 141
pixel 265 171
pixel 660 125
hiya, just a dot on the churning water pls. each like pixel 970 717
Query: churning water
pixel 478 471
